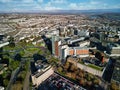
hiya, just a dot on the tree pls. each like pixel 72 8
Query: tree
pixel 17 57
pixel 78 71
pixel 11 41
pixel 5 82
pixel 14 64
pixel 1 80
pixel 60 69
pixel 89 83
pixel 82 82
pixel 22 53
pixel 81 74
pixel 1 53
pixel 114 86
pixel 116 37
pixel 98 55
pixel 96 81
pixel 89 76
pixel 66 66
pixel 53 61
pixel 73 68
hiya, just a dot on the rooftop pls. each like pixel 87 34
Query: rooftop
pixel 57 82
pixel 116 72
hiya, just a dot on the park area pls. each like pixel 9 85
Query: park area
pixel 19 55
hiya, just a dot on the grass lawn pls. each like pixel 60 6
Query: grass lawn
pixel 6 48
pixel 92 66
pixel 32 49
pixel 17 86
pixel 95 67
pixel 81 62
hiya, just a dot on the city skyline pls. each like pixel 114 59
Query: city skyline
pixel 52 5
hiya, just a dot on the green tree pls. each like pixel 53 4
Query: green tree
pixel 11 41
pixel 5 82
pixel 18 57
pixel 114 86
pixel 14 64
pixel 96 81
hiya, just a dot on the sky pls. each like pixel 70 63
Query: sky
pixel 51 5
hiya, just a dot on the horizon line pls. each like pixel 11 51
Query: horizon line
pixel 60 10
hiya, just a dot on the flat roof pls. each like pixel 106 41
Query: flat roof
pixel 78 47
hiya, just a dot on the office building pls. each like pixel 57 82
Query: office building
pixel 63 51
pixel 79 51
pixel 55 45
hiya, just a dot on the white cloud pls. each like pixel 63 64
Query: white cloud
pixel 40 1
pixel 27 5
pixel 54 5
pixel 50 6
pixel 5 1
pixel 93 4
pixel 73 6
pixel 58 1
pixel 27 1
pixel 16 1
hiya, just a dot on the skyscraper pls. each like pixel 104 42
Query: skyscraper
pixel 55 45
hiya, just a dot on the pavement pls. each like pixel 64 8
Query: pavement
pixel 26 81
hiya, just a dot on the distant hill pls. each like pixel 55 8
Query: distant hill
pixel 95 11
pixel 110 16
pixel 85 11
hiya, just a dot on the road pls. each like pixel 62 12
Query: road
pixel 13 78
pixel 27 79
